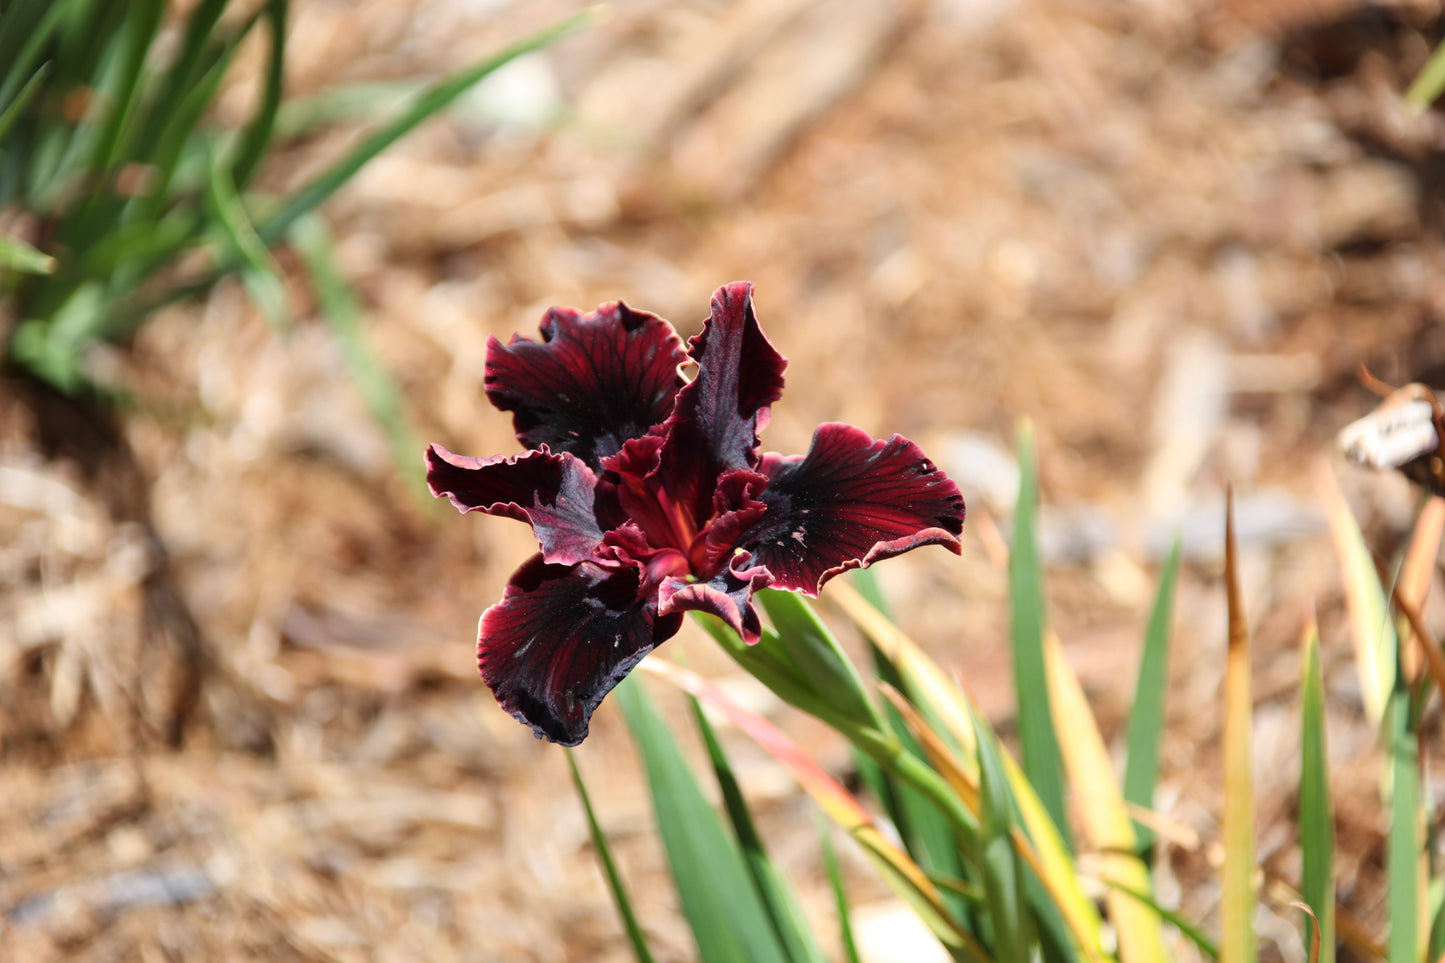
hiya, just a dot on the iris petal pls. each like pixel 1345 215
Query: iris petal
pixel 715 423
pixel 736 509
pixel 562 637
pixel 552 493
pixel 728 595
pixel 591 383
pixel 850 502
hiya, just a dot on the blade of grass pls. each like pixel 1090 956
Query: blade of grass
pixel 175 85
pixel 14 108
pixel 947 703
pixel 967 890
pixel 721 906
pixel 426 104
pixel 24 29
pixel 1314 947
pixel 964 780
pixel 840 901
pixel 898 870
pixel 259 271
pixel 923 680
pixel 1436 947
pixel 786 916
pixel 1406 840
pixel 16 255
pixel 141 246
pixel 1354 933
pixel 1316 814
pixel 181 114
pixel 615 884
pixel 1100 803
pixel 343 315
pixel 1238 943
pixel 1146 718
pixel 122 91
pixel 1002 869
pixel 1067 909
pixel 1191 932
pixel 360 102
pixel 257 136
pixel 57 350
pixel 1040 750
pixel 926 832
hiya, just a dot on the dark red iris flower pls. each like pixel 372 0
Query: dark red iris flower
pixel 648 497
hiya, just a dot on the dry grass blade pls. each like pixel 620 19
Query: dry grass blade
pixel 1100 804
pixel 1434 658
pixel 1369 622
pixel 921 673
pixel 960 778
pixel 1416 570
pixel 1314 956
pixel 1239 940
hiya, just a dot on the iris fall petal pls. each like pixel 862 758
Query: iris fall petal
pixel 562 637
pixel 851 501
pixel 552 493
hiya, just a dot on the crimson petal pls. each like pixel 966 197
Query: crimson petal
pixel 562 637
pixel 735 510
pixel 728 595
pixel 850 502
pixel 715 422
pixel 591 383
pixel 552 493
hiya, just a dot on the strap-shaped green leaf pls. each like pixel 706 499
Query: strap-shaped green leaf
pixel 1002 870
pixel 618 888
pixel 1041 760
pixel 722 907
pixel 1316 812
pixel 784 912
pixel 1146 718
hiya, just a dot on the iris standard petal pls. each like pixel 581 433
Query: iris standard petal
pixel 562 637
pixel 848 503
pixel 591 383
pixel 715 423
pixel 551 492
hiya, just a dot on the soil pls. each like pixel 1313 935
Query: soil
pixel 239 715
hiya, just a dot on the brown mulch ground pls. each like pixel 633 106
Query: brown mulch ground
pixel 238 711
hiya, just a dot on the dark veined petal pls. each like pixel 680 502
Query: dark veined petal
pixel 562 637
pixel 715 423
pixel 728 595
pixel 591 383
pixel 849 503
pixel 551 492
